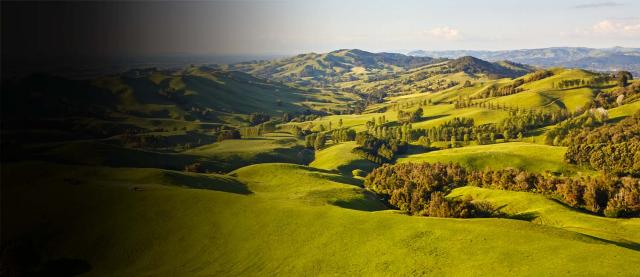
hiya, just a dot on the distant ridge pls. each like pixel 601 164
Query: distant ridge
pixel 604 59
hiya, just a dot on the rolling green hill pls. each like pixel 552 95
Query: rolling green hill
pixel 286 219
pixel 340 158
pixel 533 157
pixel 345 64
pixel 195 93
pixel 545 211
pixel 101 174
pixel 221 156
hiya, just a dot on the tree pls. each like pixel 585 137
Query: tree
pixel 417 115
pixel 623 78
pixel 424 141
pixel 505 134
pixel 257 118
pixel 320 141
pixel 310 140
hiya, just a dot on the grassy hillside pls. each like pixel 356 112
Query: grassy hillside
pixel 534 157
pixel 545 211
pixel 339 158
pixel 339 65
pixel 193 94
pixel 290 223
pixel 623 111
pixel 222 156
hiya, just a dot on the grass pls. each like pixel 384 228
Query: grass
pixel 222 156
pixel 236 153
pixel 288 225
pixel 533 157
pixel 130 212
pixel 624 111
pixel 339 158
pixel 546 211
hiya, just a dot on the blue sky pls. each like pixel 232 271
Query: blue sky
pixel 303 26
pixel 294 26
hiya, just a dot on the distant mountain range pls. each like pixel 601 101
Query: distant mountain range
pixel 349 65
pixel 605 59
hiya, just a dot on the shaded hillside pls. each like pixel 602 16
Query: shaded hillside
pixel 444 75
pixel 195 93
pixel 339 65
pixel 472 65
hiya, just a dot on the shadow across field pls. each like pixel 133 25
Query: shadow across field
pixel 626 244
pixel 363 204
pixel 203 182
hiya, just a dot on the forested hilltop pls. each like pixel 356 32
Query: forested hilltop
pixel 309 159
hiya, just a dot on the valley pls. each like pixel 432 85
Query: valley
pixel 313 165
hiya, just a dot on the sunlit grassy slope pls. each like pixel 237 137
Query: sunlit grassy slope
pixel 287 219
pixel 542 210
pixel 624 110
pixel 339 158
pixel 534 157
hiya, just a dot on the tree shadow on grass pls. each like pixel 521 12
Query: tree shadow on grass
pixel 626 244
pixel 204 182
pixel 368 203
pixel 526 216
pixel 427 118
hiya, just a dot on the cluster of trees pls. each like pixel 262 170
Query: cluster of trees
pixel 227 134
pixel 522 121
pixel 570 83
pixel 342 135
pixel 404 132
pixel 315 140
pixel 538 75
pixel 376 149
pixel 623 78
pixel 374 122
pixel 618 96
pixel 459 129
pixel 495 91
pixel 468 102
pixel 589 119
pixel 306 115
pixel 257 118
pixel 410 187
pixel 612 158
pixel 406 117
pixel 609 148
pixel 420 189
pixel 294 130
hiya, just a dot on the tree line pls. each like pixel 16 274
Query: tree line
pixel 378 150
pixel 414 187
pixel 613 148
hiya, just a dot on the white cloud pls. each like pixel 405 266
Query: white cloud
pixel 617 27
pixel 444 32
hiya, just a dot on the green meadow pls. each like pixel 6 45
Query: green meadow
pixel 146 173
